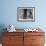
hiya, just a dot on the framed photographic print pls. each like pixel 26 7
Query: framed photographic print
pixel 26 14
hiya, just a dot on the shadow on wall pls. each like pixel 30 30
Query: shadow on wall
pixel 2 26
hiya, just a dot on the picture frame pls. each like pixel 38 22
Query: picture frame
pixel 25 14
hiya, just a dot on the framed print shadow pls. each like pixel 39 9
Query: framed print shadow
pixel 26 14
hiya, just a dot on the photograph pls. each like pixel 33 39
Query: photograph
pixel 26 14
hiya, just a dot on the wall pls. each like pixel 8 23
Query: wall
pixel 9 13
